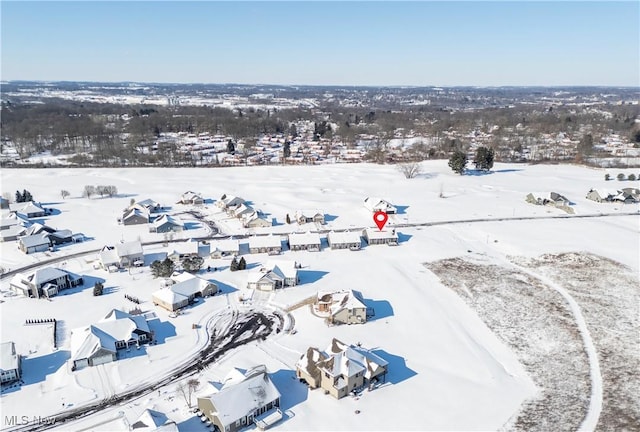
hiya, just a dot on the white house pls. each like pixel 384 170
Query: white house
pixel 224 247
pixel 153 421
pixel 34 243
pixel 45 282
pixel 182 250
pixel 304 241
pixel 244 399
pixel 166 223
pixel 375 236
pixel 190 197
pixel 10 363
pixel 344 240
pixel 378 204
pixel 99 343
pixel 270 244
pixel 122 254
pixel 183 289
pixel 309 216
pixel 253 220
pixel 28 209
pixel 135 215
pixel 229 201
pixel 274 275
pixel 341 307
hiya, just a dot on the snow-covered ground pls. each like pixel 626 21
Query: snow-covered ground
pixel 447 369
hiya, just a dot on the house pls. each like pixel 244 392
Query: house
pixel 274 275
pixel 341 307
pixel 153 421
pixel 135 215
pixel 12 219
pixel 253 220
pixel 309 216
pixel 551 198
pixel 99 343
pixel 129 252
pixel 225 247
pixel 243 400
pixel 270 244
pixel 190 197
pixel 182 250
pixel 341 368
pixel 183 289
pixel 626 196
pixel 150 205
pixel 633 192
pixel 599 195
pixel 226 202
pixel 28 209
pixel 344 240
pixel 37 228
pixel 34 243
pixel 240 210
pixel 44 282
pixel 122 254
pixel 304 241
pixel 4 203
pixel 12 233
pixel 374 236
pixel 64 236
pixel 10 363
pixel 166 223
pixel 378 204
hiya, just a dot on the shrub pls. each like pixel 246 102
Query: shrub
pixel 621 177
pixel 631 177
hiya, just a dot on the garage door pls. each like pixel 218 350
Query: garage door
pixel 102 359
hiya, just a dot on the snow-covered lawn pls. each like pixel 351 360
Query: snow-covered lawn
pixel 447 368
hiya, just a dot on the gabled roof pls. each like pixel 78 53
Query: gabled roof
pixel 341 300
pixel 148 203
pixel 153 421
pixel 184 248
pixel 37 228
pixel 129 248
pixel 308 213
pixel 303 239
pixel 168 295
pixel 265 241
pixel 35 240
pixel 26 207
pixel 235 401
pixel 374 233
pixel 108 255
pixel 188 285
pixel 344 237
pixel 13 231
pixel 225 245
pixel 260 275
pixel 135 212
pixel 167 219
pixel 190 196
pixel 375 204
pixel 283 268
pixel 46 274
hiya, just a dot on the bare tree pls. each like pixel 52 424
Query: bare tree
pixel 187 389
pixel 64 193
pixel 88 191
pixel 410 169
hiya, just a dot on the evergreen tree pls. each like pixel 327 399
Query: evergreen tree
pixel 607 177
pixel 242 265
pixel 192 264
pixel 163 268
pixel 631 177
pixel 288 219
pixel 19 198
pixel 286 150
pixel 484 158
pixel 621 176
pixel 231 148
pixel 458 162
pixel 26 196
pixel 234 264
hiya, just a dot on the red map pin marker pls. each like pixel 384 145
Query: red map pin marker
pixel 380 218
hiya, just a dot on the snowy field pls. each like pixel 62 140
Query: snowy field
pixel 450 366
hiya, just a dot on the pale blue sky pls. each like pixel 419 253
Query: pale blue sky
pixel 332 43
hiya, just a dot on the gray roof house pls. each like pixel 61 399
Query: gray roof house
pixel 44 282
pixel 274 275
pixel 28 209
pixel 153 421
pixel 99 343
pixel 344 240
pixel 34 243
pixel 166 223
pixel 10 363
pixel 243 400
pixel 190 197
pixel 135 215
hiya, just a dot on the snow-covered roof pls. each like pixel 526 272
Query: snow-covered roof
pixel 184 248
pixel 341 300
pixel 308 213
pixel 35 240
pixel 378 204
pixel 167 219
pixel 167 295
pixel 284 268
pixel 344 237
pixel 260 274
pixel 148 203
pixel 188 285
pixel 9 359
pixel 190 196
pixel 26 207
pixel 153 421
pixel 108 256
pixel 13 231
pixel 116 326
pixel 235 401
pixel 225 245
pixel 375 233
pixel 269 241
pixel 129 248
pixel 303 239
pixel 135 211
pixel 231 200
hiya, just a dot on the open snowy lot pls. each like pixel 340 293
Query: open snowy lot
pixel 469 315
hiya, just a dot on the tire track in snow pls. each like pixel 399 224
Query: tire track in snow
pixel 596 398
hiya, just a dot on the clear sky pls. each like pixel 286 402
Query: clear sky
pixel 324 43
